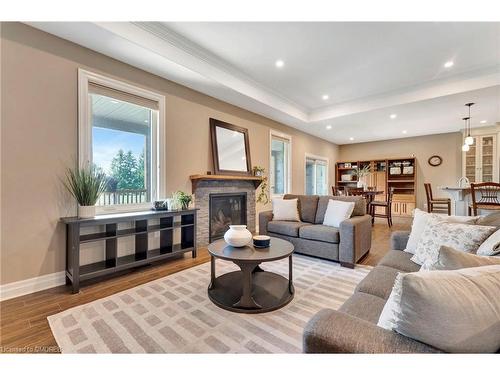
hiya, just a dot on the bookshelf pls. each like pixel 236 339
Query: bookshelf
pixel 397 173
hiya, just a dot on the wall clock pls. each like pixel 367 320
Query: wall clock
pixel 435 160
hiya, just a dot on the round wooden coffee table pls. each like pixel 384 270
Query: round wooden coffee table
pixel 251 290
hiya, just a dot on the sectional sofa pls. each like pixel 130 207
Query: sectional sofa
pixel 346 244
pixel 353 328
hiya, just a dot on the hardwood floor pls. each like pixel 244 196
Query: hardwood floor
pixel 23 321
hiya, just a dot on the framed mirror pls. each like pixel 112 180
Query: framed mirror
pixel 230 148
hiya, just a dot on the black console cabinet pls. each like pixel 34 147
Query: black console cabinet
pixel 109 233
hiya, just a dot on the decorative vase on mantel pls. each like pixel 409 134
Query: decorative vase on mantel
pixel 359 184
pixel 85 212
pixel 238 236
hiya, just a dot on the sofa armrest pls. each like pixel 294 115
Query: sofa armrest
pixel 355 239
pixel 331 331
pixel 399 239
pixel 264 218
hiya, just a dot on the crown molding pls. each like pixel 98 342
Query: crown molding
pixel 155 48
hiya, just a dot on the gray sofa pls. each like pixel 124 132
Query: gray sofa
pixel 346 244
pixel 353 328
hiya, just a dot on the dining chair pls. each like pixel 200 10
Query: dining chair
pixel 436 204
pixel 484 197
pixel 354 191
pixel 337 191
pixel 387 204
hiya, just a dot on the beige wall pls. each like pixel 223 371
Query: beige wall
pixel 448 146
pixel 39 139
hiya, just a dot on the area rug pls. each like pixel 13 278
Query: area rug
pixel 174 315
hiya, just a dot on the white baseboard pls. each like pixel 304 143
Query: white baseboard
pixel 36 284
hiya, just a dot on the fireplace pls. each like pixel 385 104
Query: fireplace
pixel 226 209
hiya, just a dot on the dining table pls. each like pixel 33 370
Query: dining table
pixel 369 196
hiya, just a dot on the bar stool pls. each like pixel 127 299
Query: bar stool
pixel 488 197
pixel 436 204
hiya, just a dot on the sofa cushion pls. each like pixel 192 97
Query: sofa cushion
pixel 399 260
pixel 308 205
pixel 320 233
pixel 379 282
pixel 364 306
pixel 359 206
pixel 286 228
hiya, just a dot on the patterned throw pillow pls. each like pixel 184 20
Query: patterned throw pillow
pixel 420 219
pixel 463 237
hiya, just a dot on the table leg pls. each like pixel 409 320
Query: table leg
pixel 290 275
pixel 212 272
pixel 246 301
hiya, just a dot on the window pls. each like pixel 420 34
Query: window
pixel 119 129
pixel 316 175
pixel 280 162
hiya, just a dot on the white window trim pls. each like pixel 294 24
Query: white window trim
pixel 289 161
pixel 85 134
pixel 316 157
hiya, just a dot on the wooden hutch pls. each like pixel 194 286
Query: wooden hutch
pixel 397 173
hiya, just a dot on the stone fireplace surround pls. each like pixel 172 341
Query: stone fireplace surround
pixel 202 202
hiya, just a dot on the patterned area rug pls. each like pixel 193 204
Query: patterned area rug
pixel 174 314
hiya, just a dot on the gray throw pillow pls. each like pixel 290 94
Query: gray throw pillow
pixel 492 219
pixel 451 259
pixel 455 311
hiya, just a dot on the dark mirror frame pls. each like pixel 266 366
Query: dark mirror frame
pixel 215 151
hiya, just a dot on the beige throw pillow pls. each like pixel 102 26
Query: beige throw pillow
pixel 451 259
pixel 454 311
pixel 286 209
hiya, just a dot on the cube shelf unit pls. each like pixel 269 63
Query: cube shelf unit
pixel 109 234
pixel 385 174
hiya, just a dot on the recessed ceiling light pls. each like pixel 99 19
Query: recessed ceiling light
pixel 449 64
pixel 328 127
pixel 404 132
pixel 279 63
pixel 325 97
pixel 483 121
pixel 393 116
pixel 351 138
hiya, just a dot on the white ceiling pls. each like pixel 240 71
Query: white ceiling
pixel 345 60
pixel 369 70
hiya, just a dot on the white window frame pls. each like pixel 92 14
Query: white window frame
pixel 85 135
pixel 288 179
pixel 316 157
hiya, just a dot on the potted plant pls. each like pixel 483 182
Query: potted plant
pixel 258 171
pixel 85 184
pixel 182 199
pixel 263 197
pixel 360 173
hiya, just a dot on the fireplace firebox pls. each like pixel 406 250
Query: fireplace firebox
pixel 226 209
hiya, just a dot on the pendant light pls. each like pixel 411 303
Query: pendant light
pixel 468 139
pixel 465 146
